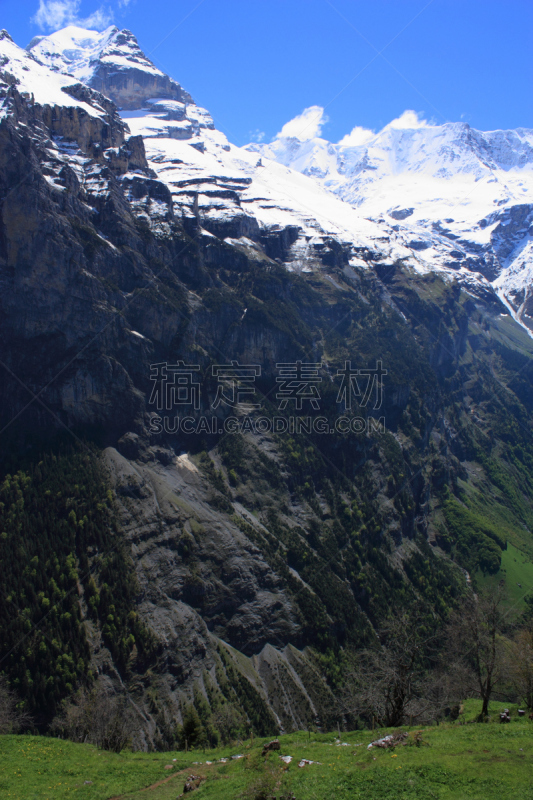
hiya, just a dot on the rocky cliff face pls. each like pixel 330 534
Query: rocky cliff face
pixel 262 558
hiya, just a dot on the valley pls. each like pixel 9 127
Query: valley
pixel 237 574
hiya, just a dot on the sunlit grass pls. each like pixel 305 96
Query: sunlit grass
pixel 460 760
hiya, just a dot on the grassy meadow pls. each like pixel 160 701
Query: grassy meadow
pixel 460 760
pixel 517 573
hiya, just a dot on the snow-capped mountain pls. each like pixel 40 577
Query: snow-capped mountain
pixel 436 184
pixel 440 198
pixel 111 62
pixel 133 235
pixel 35 82
pixel 229 188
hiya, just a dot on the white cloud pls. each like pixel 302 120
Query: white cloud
pixel 54 14
pixel 357 137
pixel 306 125
pixel 409 119
pixel 100 19
pixel 256 136
pixel 124 3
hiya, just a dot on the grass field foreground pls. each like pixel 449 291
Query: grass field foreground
pixel 470 761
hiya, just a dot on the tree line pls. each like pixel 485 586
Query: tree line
pixel 417 672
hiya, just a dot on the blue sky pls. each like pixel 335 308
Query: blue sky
pixel 255 64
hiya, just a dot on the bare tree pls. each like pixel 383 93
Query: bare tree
pixel 96 717
pixel 520 666
pixel 393 681
pixel 476 648
pixel 12 718
pixel 7 708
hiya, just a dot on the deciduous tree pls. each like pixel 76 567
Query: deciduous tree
pixel 476 647
pixel 392 681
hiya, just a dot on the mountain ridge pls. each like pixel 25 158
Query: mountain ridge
pixel 437 210
pixel 425 178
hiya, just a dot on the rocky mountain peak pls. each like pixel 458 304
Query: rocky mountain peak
pixel 41 86
pixel 111 62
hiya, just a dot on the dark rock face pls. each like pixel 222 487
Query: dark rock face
pixel 235 592
pixel 92 134
pixel 401 213
pixel 85 310
pixel 48 238
pixel 133 87
pixel 513 226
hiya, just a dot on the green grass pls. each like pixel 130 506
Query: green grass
pixel 516 568
pixel 470 711
pixel 38 768
pixel 460 761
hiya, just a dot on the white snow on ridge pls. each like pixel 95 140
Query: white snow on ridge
pixel 172 119
pixel 444 189
pixel 442 152
pixel 277 197
pixel 442 198
pixel 35 80
pixel 77 51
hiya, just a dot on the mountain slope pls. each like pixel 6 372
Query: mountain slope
pixel 256 561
